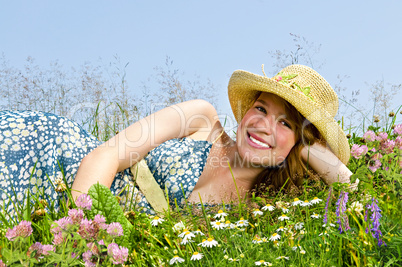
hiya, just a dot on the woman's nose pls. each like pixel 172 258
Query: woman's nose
pixel 265 124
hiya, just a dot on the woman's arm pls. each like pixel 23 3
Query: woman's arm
pixel 133 143
pixel 326 164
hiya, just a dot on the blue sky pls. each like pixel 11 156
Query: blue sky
pixel 361 39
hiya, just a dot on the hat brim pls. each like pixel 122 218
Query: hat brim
pixel 244 87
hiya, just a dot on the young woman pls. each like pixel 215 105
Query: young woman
pixel 285 123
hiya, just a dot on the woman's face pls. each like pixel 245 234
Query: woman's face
pixel 265 136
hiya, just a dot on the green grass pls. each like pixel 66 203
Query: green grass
pixel 310 245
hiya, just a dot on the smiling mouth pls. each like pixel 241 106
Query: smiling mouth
pixel 256 143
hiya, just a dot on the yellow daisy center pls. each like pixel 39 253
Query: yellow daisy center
pixel 209 239
pixel 195 253
pixel 156 218
pixel 296 199
pixel 220 211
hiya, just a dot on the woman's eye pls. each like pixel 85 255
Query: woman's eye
pixel 286 124
pixel 261 109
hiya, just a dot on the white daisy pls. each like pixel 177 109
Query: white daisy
pixel 285 210
pixel 196 256
pixel 242 222
pixel 305 203
pixel 157 221
pixel 274 237
pixel 176 259
pixel 299 225
pixel 218 225
pixel 262 262
pixel 283 217
pixel 178 226
pixel 282 257
pixel 185 241
pixel 257 212
pixel 256 240
pixel 230 225
pixel 296 202
pixel 187 238
pixel 221 214
pixel 281 229
pixel 210 242
pixel 268 207
pixel 315 200
pixel 198 232
pixel 315 215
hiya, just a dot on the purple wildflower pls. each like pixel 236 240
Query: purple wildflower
pixel 387 146
pixel 100 221
pixel 326 206
pixel 75 255
pixel 46 249
pixel 343 220
pixel 374 220
pixel 398 129
pixel 118 254
pixel 87 230
pixel 58 238
pixel 64 224
pixel 115 229
pixel 369 136
pixel 2 264
pixel 76 215
pixel 94 249
pixel 39 250
pixel 35 249
pixel 87 257
pixel 84 201
pixel 358 151
pixel 374 165
pixel 382 136
pixel 23 229
pixel 398 142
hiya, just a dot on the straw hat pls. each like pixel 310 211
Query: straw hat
pixel 303 88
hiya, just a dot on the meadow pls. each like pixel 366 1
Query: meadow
pixel 314 225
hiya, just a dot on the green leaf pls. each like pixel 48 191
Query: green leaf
pixel 105 203
pixel 306 90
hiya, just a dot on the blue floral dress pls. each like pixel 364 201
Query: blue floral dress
pixel 39 150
